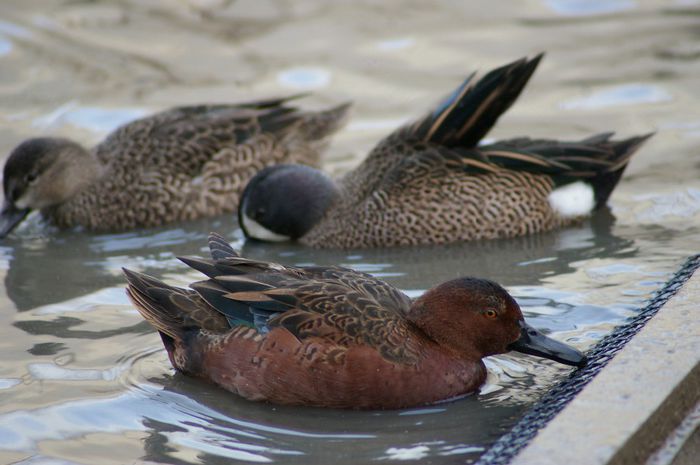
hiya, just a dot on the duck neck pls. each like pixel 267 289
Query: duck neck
pixel 87 170
pixel 75 170
pixel 431 316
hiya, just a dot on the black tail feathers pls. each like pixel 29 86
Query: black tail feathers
pixel 604 183
pixel 466 115
pixel 150 296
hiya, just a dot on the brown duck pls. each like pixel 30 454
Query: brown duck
pixel 430 182
pixel 180 164
pixel 331 336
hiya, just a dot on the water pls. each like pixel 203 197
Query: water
pixel 85 381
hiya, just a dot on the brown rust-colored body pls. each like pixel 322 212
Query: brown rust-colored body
pixel 327 336
pixel 279 368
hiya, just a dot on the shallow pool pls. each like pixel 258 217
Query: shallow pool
pixel 85 381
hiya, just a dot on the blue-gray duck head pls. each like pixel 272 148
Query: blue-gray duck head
pixel 283 202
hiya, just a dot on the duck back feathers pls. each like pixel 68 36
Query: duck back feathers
pixel 441 195
pixel 189 162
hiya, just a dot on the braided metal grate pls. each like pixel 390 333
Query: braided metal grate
pixel 537 417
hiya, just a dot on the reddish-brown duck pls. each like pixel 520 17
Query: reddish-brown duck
pixel 331 336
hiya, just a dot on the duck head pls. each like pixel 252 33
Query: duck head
pixel 40 173
pixel 478 318
pixel 283 202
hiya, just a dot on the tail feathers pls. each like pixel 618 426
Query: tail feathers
pixel 624 149
pixel 274 102
pixel 604 183
pixel 465 116
pixel 603 186
pixel 175 313
pixel 596 139
pixel 318 126
pixel 152 299
pixel 597 161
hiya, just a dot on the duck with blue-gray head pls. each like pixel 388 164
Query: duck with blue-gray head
pixel 430 182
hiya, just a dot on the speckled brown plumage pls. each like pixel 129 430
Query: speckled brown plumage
pixel 327 336
pixel 435 197
pixel 429 182
pixel 179 164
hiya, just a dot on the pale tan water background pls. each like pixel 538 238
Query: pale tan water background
pixel 84 381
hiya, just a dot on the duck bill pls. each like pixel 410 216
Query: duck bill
pixel 533 342
pixel 10 217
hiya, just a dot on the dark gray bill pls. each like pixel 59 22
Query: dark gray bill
pixel 10 217
pixel 533 342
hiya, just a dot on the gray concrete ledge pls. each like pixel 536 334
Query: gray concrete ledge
pixel 637 401
pixel 682 447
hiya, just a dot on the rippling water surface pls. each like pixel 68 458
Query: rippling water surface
pixel 85 381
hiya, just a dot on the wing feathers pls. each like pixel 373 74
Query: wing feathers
pixel 336 304
pixel 219 247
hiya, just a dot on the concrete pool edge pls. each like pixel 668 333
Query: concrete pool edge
pixel 641 396
pixel 641 383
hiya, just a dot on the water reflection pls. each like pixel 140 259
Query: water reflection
pixel 65 265
pixel 627 94
pixel 180 416
pixel 98 120
pixel 68 328
pixel 86 381
pixel 82 272
pixel 224 427
pixel 68 265
pixel 590 7
pixel 185 415
pixel 527 259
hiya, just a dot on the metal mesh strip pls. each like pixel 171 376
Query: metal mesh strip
pixel 508 446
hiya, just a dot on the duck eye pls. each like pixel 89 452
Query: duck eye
pixel 490 313
pixel 30 178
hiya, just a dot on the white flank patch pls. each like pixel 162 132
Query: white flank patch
pixel 257 231
pixel 574 199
